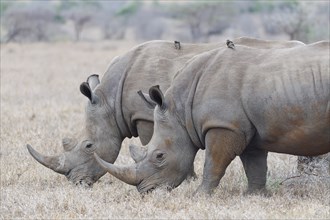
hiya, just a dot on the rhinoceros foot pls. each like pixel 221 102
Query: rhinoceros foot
pixel 261 192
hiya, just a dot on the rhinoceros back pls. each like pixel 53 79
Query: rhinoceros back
pixel 279 96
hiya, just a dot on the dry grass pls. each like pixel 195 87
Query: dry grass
pixel 41 103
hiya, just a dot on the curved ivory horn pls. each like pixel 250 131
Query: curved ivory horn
pixel 126 174
pixel 49 162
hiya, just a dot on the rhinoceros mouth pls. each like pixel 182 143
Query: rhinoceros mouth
pixel 84 183
pixel 145 186
pixel 145 189
pixel 80 180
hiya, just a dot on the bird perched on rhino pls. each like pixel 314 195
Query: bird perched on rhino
pixel 177 45
pixel 230 44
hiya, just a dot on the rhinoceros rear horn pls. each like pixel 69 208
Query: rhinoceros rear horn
pixel 137 153
pixel 93 81
pixel 68 143
pixel 126 174
pixel 49 162
pixel 86 90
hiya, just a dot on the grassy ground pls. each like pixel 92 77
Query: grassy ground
pixel 41 104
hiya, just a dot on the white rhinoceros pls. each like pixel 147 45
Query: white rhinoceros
pixel 114 112
pixel 236 102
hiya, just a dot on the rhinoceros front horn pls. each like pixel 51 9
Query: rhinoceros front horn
pixel 49 162
pixel 126 174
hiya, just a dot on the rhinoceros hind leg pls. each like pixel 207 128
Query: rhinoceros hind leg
pixel 255 165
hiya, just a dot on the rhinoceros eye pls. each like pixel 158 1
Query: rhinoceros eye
pixel 160 156
pixel 88 147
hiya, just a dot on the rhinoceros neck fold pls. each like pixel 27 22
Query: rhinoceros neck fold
pixel 123 127
pixel 184 110
pixel 191 129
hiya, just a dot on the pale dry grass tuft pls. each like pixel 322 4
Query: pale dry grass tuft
pixel 41 104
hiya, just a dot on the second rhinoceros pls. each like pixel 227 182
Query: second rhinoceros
pixel 243 102
pixel 114 112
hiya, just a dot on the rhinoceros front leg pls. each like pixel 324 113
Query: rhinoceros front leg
pixel 255 165
pixel 221 148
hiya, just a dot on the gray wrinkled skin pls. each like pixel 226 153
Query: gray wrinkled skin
pixel 243 102
pixel 114 112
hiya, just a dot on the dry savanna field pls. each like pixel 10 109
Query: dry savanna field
pixel 41 104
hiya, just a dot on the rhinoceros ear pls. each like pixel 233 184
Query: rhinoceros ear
pixel 146 98
pixel 157 96
pixel 93 81
pixel 86 90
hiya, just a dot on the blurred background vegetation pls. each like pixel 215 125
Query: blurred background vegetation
pixel 187 21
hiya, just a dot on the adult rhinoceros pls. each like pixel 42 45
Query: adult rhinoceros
pixel 242 102
pixel 114 112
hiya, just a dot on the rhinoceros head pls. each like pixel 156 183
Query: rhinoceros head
pixel 99 135
pixel 169 155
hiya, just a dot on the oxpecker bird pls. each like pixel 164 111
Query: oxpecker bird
pixel 177 45
pixel 230 44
